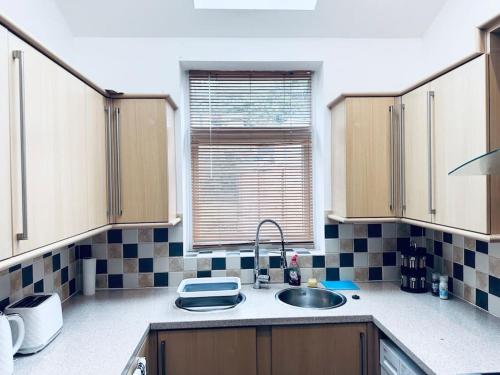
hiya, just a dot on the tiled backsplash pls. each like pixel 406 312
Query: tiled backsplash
pixel 56 271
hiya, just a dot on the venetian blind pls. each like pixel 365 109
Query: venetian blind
pixel 251 156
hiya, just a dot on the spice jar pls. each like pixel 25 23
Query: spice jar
pixel 443 287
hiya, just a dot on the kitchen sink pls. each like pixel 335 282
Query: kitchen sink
pixel 311 298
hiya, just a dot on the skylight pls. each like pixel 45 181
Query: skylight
pixel 256 4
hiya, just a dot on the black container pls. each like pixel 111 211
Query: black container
pixel 413 269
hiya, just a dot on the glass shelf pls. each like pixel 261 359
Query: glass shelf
pixel 487 164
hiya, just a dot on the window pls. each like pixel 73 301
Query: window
pixel 251 156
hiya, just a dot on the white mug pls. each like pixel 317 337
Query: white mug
pixel 11 338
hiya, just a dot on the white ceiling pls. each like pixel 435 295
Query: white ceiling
pixel 178 18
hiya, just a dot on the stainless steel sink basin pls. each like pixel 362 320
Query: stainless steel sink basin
pixel 311 298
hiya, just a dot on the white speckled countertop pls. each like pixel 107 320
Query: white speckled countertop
pixel 101 334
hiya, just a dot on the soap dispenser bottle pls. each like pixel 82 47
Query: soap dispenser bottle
pixel 294 272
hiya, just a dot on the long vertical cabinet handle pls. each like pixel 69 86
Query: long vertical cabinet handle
pixel 19 56
pixel 362 353
pixel 118 164
pixel 391 179
pixel 109 160
pixel 430 102
pixel 163 358
pixel 403 159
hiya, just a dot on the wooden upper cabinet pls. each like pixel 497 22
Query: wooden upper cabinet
pixel 146 166
pixel 5 183
pixel 416 152
pixel 460 133
pixel 363 161
pixel 225 351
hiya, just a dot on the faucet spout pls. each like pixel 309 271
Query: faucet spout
pixel 264 279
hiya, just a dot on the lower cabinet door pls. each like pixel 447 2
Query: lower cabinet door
pixel 224 351
pixel 319 349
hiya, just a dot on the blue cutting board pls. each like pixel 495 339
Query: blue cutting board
pixel 340 285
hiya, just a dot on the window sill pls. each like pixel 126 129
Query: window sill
pixel 250 253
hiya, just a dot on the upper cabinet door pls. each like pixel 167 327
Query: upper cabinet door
pixel 142 176
pixel 5 197
pixel 416 155
pixel 460 133
pixel 370 186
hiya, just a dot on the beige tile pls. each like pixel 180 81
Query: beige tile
pixel 145 235
pixel 470 243
pixel 28 290
pixel 305 260
pixel 47 265
pixel 482 281
pixel 175 264
pixel 130 265
pixel 204 264
pixel 276 275
pixel 161 250
pixel 389 244
pixel 57 279
pixel 375 259
pixel 361 274
pixel 346 246
pixel 4 272
pixel 192 274
pixel 101 281
pixel 65 291
pixel 469 293
pixel 145 280
pixel 318 273
pixel 264 262
pixel 360 230
pixel 15 281
pixel 447 267
pixel 115 251
pixel 99 238
pixel 438 235
pixel 458 255
pixel 494 266
pixel 332 260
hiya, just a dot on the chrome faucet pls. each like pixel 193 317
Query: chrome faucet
pixel 265 279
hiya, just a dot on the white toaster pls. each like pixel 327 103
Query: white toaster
pixel 42 316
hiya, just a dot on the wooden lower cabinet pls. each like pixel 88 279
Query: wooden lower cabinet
pixel 341 349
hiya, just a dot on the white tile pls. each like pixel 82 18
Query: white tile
pixel 64 258
pixel 470 276
pixel 458 288
pixel 482 263
pixel 247 276
pixel 494 305
pixel 130 236
pixel 458 240
pixel 360 259
pixel 346 273
pixel 5 286
pixel 494 249
pixel 190 264
pixel 390 273
pixel 48 283
pixel 115 266
pixel 219 273
pixel 429 233
pixel 403 230
pixel 100 251
pixel 38 270
pixel 346 231
pixel 375 245
pixel 332 245
pixel 447 251
pixel 160 264
pixel 175 278
pixel 389 230
pixel 146 250
pixel 130 280
pixel 233 262
pixel 175 234
pixel 306 274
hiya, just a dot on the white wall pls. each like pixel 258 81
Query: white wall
pixel 43 20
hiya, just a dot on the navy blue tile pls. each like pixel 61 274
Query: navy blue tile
pixel 274 262
pixel 204 274
pixel 15 268
pixel 161 279
pixel 450 284
pixel 494 286
pixel 115 236
pixel 429 260
pixel 403 243
pixel 332 274
pixel 360 245
pixel 38 287
pixel 247 263
pixel 218 263
pixel 27 274
pixel 101 266
pixel 458 271
pixel 263 271
pixel 482 299
pixel 469 258
pixel 56 262
pixel 346 260
pixel 318 261
pixel 482 247
pixel 331 231
pixel 72 286
pixel 375 273
pixel 160 235
pixel 145 265
pixel 115 281
pixel 389 259
pixel 416 231
pixel 4 303
pixel 84 251
pixel 374 230
pixel 130 250
pixel 46 255
pixel 447 237
pixel 64 275
pixel 438 248
pixel 175 249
